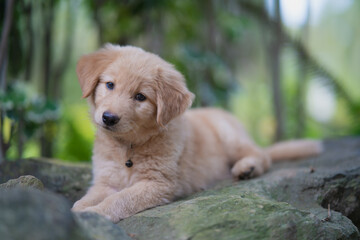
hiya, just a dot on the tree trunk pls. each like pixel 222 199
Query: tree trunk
pixel 210 26
pixel 46 143
pixel 62 65
pixel 302 82
pixel 275 54
pixel 3 67
pixel 20 134
pixel 98 21
pixel 29 55
pixel 6 31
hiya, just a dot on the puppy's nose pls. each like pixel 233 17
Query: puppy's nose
pixel 110 119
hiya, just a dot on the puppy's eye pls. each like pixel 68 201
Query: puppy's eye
pixel 140 97
pixel 110 85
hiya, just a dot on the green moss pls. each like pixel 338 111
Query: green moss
pixel 232 214
pixel 24 181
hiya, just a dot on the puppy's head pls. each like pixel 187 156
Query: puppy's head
pixel 131 90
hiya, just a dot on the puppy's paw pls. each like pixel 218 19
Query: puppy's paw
pixel 246 168
pixel 110 216
pixel 78 207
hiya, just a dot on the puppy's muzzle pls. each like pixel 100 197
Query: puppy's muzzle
pixel 110 119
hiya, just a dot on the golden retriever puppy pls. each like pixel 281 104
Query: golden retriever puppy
pixel 149 149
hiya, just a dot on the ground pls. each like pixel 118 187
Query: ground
pixel 292 201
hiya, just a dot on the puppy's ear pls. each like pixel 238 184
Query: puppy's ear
pixel 90 67
pixel 173 98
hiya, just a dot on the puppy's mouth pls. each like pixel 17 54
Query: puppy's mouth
pixel 116 129
pixel 109 128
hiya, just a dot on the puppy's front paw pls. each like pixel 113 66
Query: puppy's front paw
pixel 246 168
pixel 78 207
pixel 110 216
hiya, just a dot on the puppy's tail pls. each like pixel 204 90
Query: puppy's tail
pixel 294 149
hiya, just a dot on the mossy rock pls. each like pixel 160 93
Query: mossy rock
pixel 68 179
pixel 27 213
pixel 23 181
pixel 237 213
pixel 289 202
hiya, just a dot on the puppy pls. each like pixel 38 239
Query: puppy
pixel 149 149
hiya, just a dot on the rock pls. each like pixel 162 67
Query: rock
pixel 237 213
pixel 27 213
pixel 290 202
pixel 24 181
pixel 68 179
pixel 99 228
pixel 33 214
pixel 343 194
pixel 335 180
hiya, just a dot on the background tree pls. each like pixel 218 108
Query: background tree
pixel 239 55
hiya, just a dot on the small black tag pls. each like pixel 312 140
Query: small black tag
pixel 129 163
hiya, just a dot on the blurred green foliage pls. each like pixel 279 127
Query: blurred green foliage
pixel 225 49
pixel 76 134
pixel 24 115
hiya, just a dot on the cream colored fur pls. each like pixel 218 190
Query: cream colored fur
pixel 175 151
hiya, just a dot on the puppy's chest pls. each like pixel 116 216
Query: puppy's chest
pixel 124 167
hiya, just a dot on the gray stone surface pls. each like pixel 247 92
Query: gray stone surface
pixel 68 179
pixel 30 214
pixel 289 202
pixel 23 181
pixel 33 214
pixel 99 228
